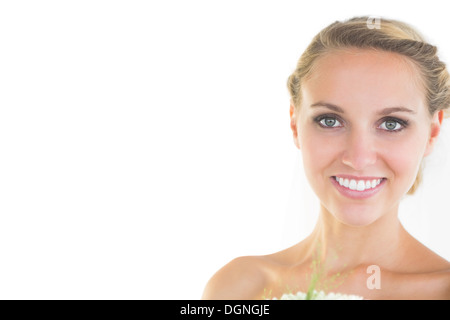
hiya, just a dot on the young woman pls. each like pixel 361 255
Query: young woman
pixel 367 105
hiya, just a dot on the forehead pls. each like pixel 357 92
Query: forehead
pixel 364 78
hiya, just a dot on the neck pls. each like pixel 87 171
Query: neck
pixel 341 246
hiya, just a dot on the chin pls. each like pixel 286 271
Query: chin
pixel 356 217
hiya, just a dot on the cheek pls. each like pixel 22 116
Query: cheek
pixel 404 158
pixel 318 152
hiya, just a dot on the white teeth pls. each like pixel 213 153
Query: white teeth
pixel 374 183
pixel 359 185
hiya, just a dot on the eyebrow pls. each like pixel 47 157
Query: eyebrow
pixel 383 112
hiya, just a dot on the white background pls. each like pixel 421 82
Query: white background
pixel 144 144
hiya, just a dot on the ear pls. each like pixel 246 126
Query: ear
pixel 436 123
pixel 293 116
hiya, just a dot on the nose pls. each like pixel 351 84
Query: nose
pixel 360 150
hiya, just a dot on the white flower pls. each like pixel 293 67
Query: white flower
pixel 319 295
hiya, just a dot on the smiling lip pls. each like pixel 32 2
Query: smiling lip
pixel 355 194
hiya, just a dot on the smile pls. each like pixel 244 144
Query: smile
pixel 358 188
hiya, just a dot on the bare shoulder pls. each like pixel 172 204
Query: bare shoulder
pixel 242 278
pixel 439 284
pixel 426 259
pixel 428 277
pixel 248 277
pixel 434 285
pixel 445 279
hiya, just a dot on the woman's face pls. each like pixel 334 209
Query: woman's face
pixel 363 128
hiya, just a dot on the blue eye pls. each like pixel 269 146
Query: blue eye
pixel 394 125
pixel 328 122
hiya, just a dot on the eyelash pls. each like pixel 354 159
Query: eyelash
pixel 403 123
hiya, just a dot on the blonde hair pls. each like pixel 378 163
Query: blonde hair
pixel 388 35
